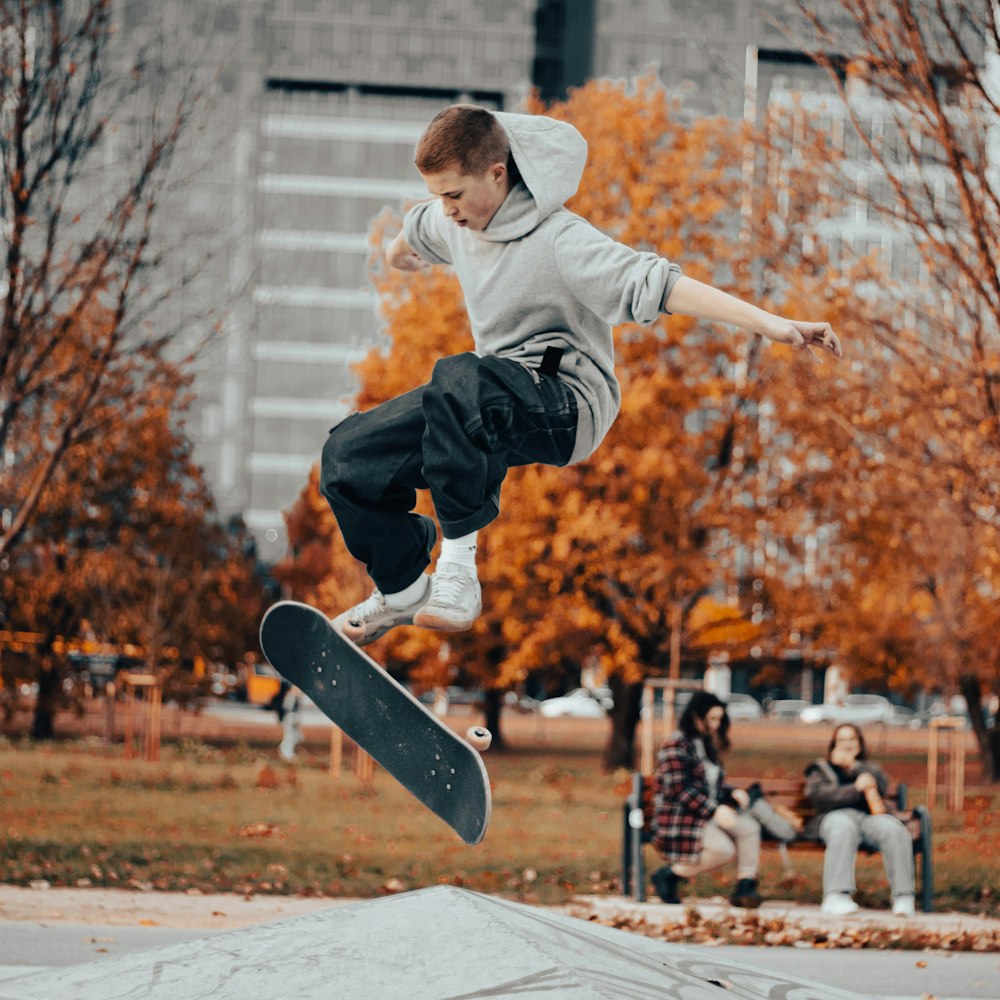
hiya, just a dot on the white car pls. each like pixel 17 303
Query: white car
pixel 819 713
pixel 580 703
pixel 741 708
pixel 859 709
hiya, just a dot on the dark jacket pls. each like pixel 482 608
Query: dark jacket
pixel 683 804
pixel 825 792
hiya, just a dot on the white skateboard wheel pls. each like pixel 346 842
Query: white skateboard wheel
pixel 479 738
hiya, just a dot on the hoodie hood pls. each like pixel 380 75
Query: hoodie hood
pixel 550 156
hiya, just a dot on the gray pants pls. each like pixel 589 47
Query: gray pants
pixel 845 830
pixel 718 847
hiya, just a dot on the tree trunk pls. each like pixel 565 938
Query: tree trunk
pixel 988 738
pixel 992 754
pixel 620 748
pixel 492 705
pixel 43 724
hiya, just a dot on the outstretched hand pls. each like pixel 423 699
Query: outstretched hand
pixel 819 335
pixel 807 336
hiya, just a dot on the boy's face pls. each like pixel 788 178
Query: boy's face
pixel 469 200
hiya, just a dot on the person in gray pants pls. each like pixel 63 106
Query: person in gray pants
pixel 846 790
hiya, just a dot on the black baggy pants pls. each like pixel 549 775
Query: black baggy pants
pixel 456 436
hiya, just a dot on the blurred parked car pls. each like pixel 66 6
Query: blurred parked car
pixel 937 709
pixel 819 713
pixel 742 708
pixel 444 700
pixel 903 716
pixel 787 709
pixel 860 709
pixel 520 703
pixel 580 703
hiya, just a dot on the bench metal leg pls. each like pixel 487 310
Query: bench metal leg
pixel 926 860
pixel 635 822
pixel 638 866
pixel 626 849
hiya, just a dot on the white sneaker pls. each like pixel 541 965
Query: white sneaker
pixel 372 618
pixel 456 599
pixel 904 906
pixel 838 904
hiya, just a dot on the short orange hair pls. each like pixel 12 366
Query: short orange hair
pixel 466 135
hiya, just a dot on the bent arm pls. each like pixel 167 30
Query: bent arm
pixel 401 255
pixel 691 297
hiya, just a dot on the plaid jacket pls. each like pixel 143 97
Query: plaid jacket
pixel 682 805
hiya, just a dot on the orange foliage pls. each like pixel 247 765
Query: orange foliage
pixel 124 543
pixel 890 464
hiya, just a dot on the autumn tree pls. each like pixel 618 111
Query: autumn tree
pixel 86 143
pixel 71 243
pixel 126 542
pixel 912 501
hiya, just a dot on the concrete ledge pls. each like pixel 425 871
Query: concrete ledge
pixel 440 943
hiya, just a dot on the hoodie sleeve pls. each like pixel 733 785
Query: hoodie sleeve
pixel 613 281
pixel 423 230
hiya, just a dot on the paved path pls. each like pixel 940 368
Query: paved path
pixel 937 974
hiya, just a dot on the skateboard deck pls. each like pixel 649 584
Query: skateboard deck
pixel 433 763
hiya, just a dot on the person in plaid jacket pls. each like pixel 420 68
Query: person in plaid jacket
pixel 698 824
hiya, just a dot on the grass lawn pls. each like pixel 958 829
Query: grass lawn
pixel 232 817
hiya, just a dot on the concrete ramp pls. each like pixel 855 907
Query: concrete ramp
pixel 440 943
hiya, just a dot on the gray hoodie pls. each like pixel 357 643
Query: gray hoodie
pixel 539 276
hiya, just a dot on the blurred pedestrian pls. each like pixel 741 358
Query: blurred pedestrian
pixel 291 728
pixel 699 823
pixel 847 790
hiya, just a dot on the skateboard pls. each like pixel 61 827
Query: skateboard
pixel 441 769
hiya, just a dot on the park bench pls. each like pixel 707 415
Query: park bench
pixel 789 792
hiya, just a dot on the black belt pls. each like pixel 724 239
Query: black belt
pixel 550 360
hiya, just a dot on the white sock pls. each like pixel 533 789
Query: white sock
pixel 459 550
pixel 409 595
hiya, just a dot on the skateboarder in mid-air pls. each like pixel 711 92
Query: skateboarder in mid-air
pixel 543 288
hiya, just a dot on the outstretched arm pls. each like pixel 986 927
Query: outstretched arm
pixel 401 255
pixel 694 298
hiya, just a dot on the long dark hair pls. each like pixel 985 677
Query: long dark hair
pixel 701 703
